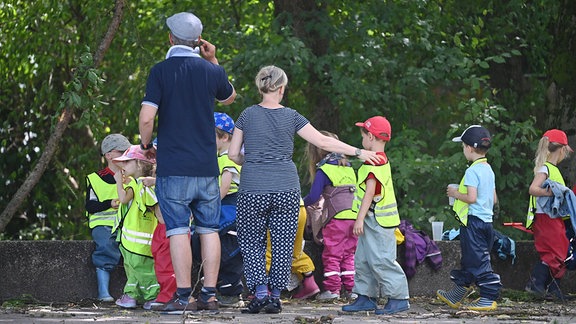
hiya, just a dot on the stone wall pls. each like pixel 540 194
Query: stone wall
pixel 60 271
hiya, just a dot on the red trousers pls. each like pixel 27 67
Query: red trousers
pixel 163 264
pixel 551 243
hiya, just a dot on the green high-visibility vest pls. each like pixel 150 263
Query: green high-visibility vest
pixel 384 205
pixel 139 221
pixel 342 176
pixel 104 191
pixel 554 175
pixel 460 207
pixel 224 162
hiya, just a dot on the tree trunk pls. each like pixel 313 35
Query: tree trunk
pixel 52 144
pixel 562 91
pixel 306 17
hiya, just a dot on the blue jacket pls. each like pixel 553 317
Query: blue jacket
pixel 562 203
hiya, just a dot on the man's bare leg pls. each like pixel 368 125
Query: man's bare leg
pixel 181 254
pixel 210 249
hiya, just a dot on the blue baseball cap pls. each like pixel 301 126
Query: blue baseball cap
pixel 224 122
pixel 475 136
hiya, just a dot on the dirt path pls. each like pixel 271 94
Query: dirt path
pixel 423 310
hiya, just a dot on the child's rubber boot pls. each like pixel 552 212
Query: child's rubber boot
pixel 362 303
pixel 454 297
pixel 482 304
pixel 394 306
pixel 538 280
pixel 103 278
pixel 309 288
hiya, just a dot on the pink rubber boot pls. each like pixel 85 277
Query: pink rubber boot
pixel 308 289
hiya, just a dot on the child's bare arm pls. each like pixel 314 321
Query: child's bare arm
pixel 365 206
pixel 124 195
pixel 226 181
pixel 469 197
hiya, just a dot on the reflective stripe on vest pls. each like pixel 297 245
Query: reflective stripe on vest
pixel 224 162
pixel 384 206
pixel 554 175
pixel 460 207
pixel 341 176
pixel 139 222
pixel 104 191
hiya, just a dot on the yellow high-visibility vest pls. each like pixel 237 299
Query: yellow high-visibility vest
pixel 384 205
pixel 554 175
pixel 104 191
pixel 460 207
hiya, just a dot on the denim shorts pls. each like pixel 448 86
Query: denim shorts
pixel 181 197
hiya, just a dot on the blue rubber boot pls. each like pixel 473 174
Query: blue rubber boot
pixel 362 303
pixel 103 277
pixel 394 306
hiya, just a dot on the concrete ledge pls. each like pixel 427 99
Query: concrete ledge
pixel 60 271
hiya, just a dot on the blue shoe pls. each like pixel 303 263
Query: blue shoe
pixel 394 306
pixel 362 303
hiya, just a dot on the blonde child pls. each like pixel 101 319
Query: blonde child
pixel 377 271
pixel 549 233
pixel 137 222
pixel 334 179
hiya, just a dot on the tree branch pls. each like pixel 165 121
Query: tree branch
pixel 36 174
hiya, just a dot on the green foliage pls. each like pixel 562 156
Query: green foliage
pixel 431 67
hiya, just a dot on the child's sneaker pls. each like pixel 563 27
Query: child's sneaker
pixel 327 295
pixel 455 296
pixel 348 294
pixel 149 305
pixel 126 301
pixel 482 304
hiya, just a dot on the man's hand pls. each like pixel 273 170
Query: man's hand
pixel 151 153
pixel 208 51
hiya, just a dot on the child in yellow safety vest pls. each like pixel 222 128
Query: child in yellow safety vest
pixel 474 203
pixel 101 208
pixel 333 179
pixel 550 238
pixel 136 225
pixel 377 271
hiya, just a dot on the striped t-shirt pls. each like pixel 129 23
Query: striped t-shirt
pixel 268 148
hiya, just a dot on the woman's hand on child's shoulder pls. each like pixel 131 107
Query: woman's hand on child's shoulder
pixel 371 156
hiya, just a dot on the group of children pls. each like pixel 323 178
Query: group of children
pixel 358 215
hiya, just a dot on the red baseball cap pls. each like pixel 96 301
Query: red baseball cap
pixel 557 136
pixel 378 126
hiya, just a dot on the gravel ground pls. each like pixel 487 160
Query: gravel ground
pixel 423 310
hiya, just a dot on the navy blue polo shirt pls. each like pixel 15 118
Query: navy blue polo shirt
pixel 184 89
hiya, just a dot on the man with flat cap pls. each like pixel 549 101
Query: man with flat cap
pixel 182 91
